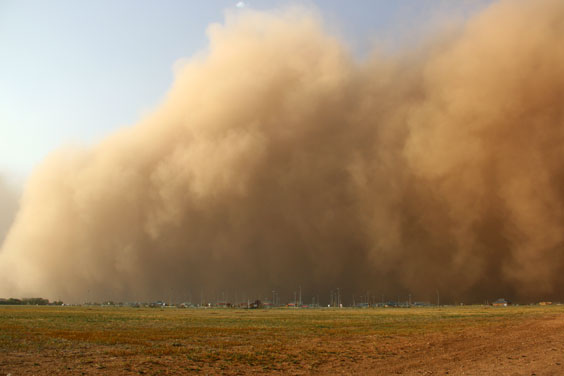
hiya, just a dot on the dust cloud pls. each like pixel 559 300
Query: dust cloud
pixel 8 206
pixel 279 160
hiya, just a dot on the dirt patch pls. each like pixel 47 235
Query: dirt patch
pixel 533 347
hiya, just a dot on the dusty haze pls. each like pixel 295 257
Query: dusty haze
pixel 278 160
pixel 8 206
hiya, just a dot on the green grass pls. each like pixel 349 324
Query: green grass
pixel 138 325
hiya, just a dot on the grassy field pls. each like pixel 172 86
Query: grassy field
pixel 110 340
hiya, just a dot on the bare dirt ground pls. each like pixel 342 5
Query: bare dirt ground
pixel 207 343
pixel 533 347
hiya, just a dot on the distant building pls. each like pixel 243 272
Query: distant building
pixel 501 302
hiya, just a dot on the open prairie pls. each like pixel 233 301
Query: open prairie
pixel 132 341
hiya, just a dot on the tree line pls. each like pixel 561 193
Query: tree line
pixel 29 301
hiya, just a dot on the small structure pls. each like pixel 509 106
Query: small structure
pixel 501 302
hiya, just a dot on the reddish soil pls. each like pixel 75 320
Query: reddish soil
pixel 533 346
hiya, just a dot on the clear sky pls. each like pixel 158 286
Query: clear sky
pixel 72 71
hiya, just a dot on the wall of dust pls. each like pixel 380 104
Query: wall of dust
pixel 278 160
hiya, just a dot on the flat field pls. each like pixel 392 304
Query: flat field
pixel 473 340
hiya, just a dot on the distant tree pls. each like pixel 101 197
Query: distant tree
pixel 35 301
pixel 11 301
pixel 28 301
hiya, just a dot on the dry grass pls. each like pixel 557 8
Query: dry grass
pixel 43 340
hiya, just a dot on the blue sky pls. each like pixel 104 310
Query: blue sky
pixel 72 71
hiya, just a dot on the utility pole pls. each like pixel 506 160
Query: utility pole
pixel 300 296
pixel 438 299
